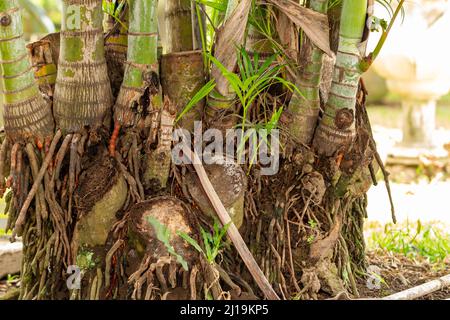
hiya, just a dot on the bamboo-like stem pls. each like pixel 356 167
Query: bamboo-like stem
pixel 368 61
pixel 83 92
pixel 178 18
pixel 116 47
pixel 182 65
pixel 229 37
pixel 142 69
pixel 26 114
pixel 305 110
pixel 337 126
pixel 233 232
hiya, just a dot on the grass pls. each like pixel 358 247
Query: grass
pixel 430 241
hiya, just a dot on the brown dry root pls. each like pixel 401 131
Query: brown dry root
pixel 137 113
pixel 308 238
pixel 32 215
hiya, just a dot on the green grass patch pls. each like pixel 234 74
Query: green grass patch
pixel 430 241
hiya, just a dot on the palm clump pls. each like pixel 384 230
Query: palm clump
pixel 89 115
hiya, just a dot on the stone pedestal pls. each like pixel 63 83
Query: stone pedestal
pixel 415 63
pixel 418 123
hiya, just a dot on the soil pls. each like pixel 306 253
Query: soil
pixel 400 273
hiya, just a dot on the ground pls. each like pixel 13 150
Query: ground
pixel 399 273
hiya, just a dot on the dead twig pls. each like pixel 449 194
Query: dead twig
pixel 233 232
pixel 420 291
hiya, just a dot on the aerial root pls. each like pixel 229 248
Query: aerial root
pixel 60 157
pixel 113 140
pixel 135 165
pixel 119 243
pixel 18 229
pixel 133 188
pixel 74 171
pixel 40 206
pixel 161 277
pixel 3 153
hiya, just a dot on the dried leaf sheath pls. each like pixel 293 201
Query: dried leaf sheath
pixel 26 113
pixel 229 36
pixel 83 91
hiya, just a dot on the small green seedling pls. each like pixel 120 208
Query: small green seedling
pixel 163 235
pixel 212 242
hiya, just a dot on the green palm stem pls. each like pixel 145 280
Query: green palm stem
pixel 182 64
pixel 142 68
pixel 222 98
pixel 26 114
pixel 336 130
pixel 139 102
pixel 116 47
pixel 305 109
pixel 179 29
pixel 28 120
pixel 182 75
pixel 83 92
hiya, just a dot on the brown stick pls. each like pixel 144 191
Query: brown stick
pixel 21 218
pixel 420 291
pixel 233 232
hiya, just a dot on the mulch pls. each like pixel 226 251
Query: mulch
pixel 399 273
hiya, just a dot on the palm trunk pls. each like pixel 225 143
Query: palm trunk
pixel 305 110
pixel 83 92
pixel 182 76
pixel 28 123
pixel 337 127
pixel 182 64
pixel 116 46
pixel 26 114
pixel 139 104
pixel 179 28
pixel 142 69
pixel 229 37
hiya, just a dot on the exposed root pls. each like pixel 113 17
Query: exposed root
pixel 119 243
pixel 113 140
pixel 3 154
pixel 22 214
